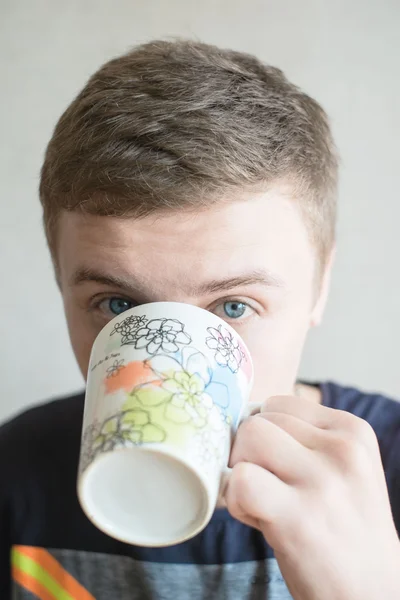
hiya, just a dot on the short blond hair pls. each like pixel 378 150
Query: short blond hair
pixel 173 125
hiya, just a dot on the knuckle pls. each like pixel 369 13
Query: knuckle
pixel 348 453
pixel 242 477
pixel 248 432
pixel 364 431
pixel 274 402
pixel 357 428
pixel 239 489
pixel 249 427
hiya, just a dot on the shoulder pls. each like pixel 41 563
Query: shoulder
pixel 40 433
pixel 381 412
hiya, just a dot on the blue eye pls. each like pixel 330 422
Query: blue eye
pixel 234 310
pixel 118 305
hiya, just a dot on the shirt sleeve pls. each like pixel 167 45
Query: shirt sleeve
pixel 392 472
pixel 6 467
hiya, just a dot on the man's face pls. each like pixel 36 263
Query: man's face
pixel 249 261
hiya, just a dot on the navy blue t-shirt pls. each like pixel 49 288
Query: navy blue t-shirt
pixel 50 550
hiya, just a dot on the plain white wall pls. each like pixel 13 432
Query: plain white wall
pixel 344 53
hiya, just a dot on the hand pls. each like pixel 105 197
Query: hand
pixel 310 479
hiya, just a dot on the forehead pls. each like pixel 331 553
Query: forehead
pixel 253 232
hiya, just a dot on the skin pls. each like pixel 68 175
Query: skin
pixel 170 257
pixel 309 477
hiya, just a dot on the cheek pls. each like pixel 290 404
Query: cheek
pixel 82 336
pixel 276 346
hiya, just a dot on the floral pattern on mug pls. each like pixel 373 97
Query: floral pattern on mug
pixel 209 449
pixel 164 335
pixel 181 392
pixel 127 428
pixel 175 394
pixel 128 328
pixel 115 369
pixel 228 352
pixel 185 388
pixel 156 335
pixel 88 436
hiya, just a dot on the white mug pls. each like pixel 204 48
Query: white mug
pixel 168 384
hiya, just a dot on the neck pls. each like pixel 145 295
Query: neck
pixel 308 392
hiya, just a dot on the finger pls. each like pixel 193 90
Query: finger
pixel 315 414
pixel 255 496
pixel 333 420
pixel 265 444
pixel 307 435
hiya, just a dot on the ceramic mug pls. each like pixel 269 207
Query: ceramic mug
pixel 168 384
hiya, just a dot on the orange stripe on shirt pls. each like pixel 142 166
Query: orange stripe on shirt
pixel 54 568
pixel 31 584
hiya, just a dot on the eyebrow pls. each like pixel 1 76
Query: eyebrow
pixel 258 277
pixel 255 277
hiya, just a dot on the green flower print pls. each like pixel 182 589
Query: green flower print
pixel 128 428
pixel 182 388
pixel 189 400
pixel 88 436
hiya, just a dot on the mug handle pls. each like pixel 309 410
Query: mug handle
pixel 251 409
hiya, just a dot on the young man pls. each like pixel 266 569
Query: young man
pixel 187 173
